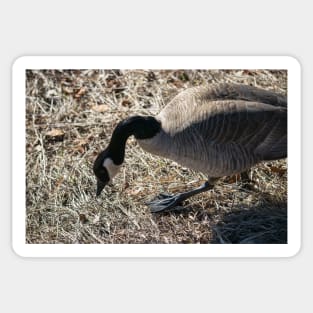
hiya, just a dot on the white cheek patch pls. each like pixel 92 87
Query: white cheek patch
pixel 111 167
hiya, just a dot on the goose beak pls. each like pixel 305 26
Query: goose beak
pixel 100 186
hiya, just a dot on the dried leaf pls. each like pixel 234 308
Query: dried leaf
pixel 83 218
pixel 68 90
pixel 136 191
pixel 126 103
pixel 100 108
pixel 55 133
pixel 279 170
pixel 80 145
pixel 247 72
pixel 59 182
pixel 80 92
pixel 80 149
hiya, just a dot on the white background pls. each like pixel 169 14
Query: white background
pixel 162 62
pixel 153 28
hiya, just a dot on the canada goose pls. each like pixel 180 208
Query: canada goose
pixel 219 130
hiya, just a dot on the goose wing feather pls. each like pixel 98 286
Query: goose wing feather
pixel 209 130
pixel 228 91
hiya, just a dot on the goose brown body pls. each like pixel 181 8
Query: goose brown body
pixel 221 130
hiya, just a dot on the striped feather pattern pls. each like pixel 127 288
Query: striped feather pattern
pixel 222 130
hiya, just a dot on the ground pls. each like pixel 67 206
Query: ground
pixel 70 115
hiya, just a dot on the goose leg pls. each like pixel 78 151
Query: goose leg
pixel 247 182
pixel 245 176
pixel 168 202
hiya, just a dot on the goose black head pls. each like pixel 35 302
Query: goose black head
pixel 105 169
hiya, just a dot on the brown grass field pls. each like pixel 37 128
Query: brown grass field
pixel 70 115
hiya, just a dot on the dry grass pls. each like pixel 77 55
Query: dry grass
pixel 70 116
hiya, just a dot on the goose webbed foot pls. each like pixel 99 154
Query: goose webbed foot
pixel 165 202
pixel 247 182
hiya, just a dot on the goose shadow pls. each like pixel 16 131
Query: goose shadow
pixel 265 223
pixel 261 223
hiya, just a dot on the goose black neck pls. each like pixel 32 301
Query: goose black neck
pixel 142 127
